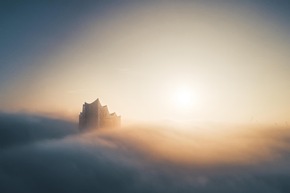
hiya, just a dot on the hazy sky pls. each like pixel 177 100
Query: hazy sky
pixel 136 56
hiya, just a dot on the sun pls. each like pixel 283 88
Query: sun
pixel 184 98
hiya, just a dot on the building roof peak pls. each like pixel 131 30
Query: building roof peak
pixel 97 101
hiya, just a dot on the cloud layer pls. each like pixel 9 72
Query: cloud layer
pixel 53 157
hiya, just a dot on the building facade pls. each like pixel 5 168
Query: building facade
pixel 96 116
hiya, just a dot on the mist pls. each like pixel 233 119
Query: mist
pixel 55 157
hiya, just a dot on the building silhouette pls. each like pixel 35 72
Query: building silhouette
pixel 96 116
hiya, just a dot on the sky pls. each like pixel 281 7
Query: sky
pixel 230 59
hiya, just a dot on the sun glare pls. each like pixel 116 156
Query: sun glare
pixel 184 98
